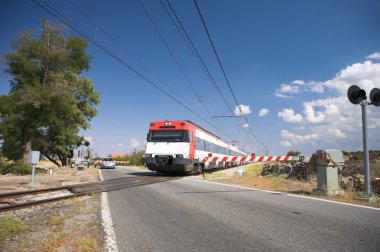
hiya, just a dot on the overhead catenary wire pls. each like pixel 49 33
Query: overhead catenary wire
pixel 196 54
pixel 223 71
pixel 124 49
pixel 196 92
pixel 52 11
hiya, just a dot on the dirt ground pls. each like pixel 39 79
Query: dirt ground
pixel 44 179
pixel 68 225
pixel 253 179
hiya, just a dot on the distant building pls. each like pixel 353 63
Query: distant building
pixel 117 155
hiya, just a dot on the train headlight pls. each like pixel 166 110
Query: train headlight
pixel 168 123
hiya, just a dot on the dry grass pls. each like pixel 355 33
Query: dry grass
pixel 252 179
pixel 87 243
pixel 53 242
pixel 274 183
pixel 71 225
pixel 57 222
pixel 84 179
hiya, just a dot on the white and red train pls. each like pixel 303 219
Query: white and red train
pixel 183 146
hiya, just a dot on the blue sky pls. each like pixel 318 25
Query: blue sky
pixel 293 58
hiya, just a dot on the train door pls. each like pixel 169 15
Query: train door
pixel 192 143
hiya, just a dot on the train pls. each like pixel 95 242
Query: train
pixel 182 146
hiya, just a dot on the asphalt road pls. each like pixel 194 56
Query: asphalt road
pixel 185 214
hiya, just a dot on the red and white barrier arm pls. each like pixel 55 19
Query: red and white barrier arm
pixel 116 162
pixel 249 159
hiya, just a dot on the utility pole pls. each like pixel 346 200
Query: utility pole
pixel 240 125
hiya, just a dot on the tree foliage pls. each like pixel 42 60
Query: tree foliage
pixel 49 101
pixel 293 153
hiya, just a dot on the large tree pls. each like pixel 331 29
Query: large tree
pixel 49 100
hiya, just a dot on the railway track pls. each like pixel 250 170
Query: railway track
pixel 23 199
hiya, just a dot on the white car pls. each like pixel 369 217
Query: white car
pixel 107 163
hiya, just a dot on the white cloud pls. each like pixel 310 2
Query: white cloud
pixel 288 116
pixel 286 143
pixel 332 120
pixel 134 143
pixel 244 109
pixel 288 90
pixel 375 55
pixel 120 145
pixel 263 112
pixel 299 128
pixel 337 133
pixel 299 138
pixel 312 116
pixel 298 82
pixel 315 87
pixel 245 125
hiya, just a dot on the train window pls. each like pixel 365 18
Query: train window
pixel 168 136
pixel 199 144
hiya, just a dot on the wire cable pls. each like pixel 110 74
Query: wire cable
pixel 70 24
pixel 197 94
pixel 123 48
pixel 222 68
pixel 119 44
pixel 196 54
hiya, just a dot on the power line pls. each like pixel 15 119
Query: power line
pixel 195 52
pixel 171 52
pixel 67 22
pixel 75 6
pixel 222 68
pixel 197 56
pixel 196 92
pixel 123 48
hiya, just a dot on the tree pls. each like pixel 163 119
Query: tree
pixel 293 153
pixel 49 101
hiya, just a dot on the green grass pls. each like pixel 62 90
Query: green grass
pixel 253 170
pixel 57 222
pixel 11 226
pixel 214 175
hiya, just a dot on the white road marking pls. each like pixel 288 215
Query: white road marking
pixel 287 194
pixel 110 238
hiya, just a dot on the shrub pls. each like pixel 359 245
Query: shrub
pixel 137 158
pixel 15 168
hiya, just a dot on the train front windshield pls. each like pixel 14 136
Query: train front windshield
pixel 168 136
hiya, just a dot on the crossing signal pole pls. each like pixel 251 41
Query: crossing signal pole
pixel 356 95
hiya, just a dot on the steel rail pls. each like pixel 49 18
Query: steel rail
pixel 36 191
pixel 81 190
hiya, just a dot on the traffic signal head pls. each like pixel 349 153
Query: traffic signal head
pixel 356 95
pixel 375 96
